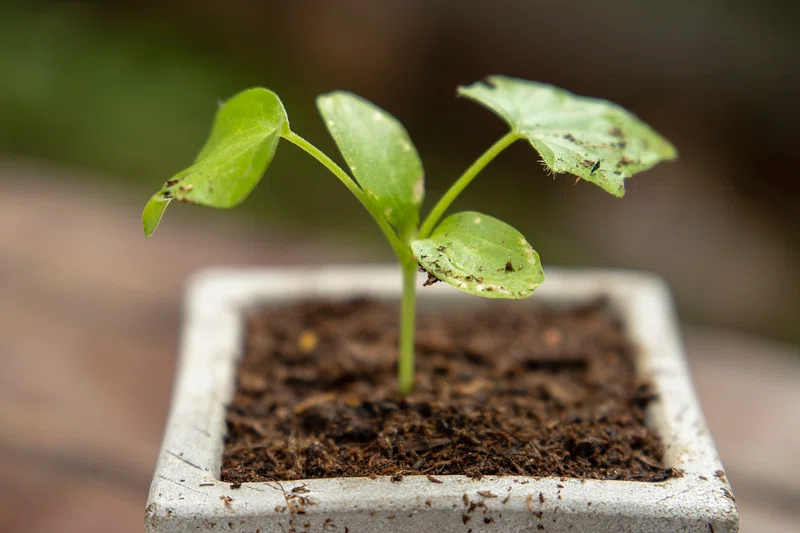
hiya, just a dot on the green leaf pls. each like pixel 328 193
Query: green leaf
pixel 593 139
pixel 243 140
pixel 480 255
pixel 153 211
pixel 380 155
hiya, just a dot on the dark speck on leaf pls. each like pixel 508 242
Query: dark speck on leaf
pixel 615 132
pixel 509 267
pixel 587 163
pixel 595 167
pixel 441 248
pixel 570 138
pixel 170 183
pixel 624 160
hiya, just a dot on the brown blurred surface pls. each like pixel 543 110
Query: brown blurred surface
pixel 89 312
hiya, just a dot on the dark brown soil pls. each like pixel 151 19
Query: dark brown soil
pixel 507 390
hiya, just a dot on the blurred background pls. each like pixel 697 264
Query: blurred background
pixel 101 102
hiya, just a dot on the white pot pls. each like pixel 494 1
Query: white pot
pixel 186 494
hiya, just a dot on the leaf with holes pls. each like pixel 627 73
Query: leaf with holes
pixel 480 255
pixel 380 155
pixel 241 146
pixel 590 138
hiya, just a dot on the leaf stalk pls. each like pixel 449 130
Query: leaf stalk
pixel 466 178
pixel 401 249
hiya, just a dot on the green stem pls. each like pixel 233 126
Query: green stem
pixel 460 184
pixel 405 361
pixel 401 250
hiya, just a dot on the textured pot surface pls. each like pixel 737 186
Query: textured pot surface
pixel 186 494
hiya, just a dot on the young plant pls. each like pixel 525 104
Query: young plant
pixel 481 255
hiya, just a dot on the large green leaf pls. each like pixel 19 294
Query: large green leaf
pixel 480 255
pixel 594 139
pixel 379 153
pixel 243 140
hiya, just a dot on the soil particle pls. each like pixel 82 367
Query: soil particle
pixel 431 280
pixel 498 392
pixel 431 277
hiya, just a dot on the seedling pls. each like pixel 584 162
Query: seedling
pixel 481 255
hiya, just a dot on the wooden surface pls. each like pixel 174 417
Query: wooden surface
pixel 89 314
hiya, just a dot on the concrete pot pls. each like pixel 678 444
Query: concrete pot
pixel 186 494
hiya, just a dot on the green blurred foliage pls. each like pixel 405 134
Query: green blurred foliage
pixel 129 99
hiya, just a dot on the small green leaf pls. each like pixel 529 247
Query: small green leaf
pixel 480 255
pixel 380 155
pixel 243 140
pixel 594 139
pixel 153 211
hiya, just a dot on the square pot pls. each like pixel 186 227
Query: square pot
pixel 187 495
